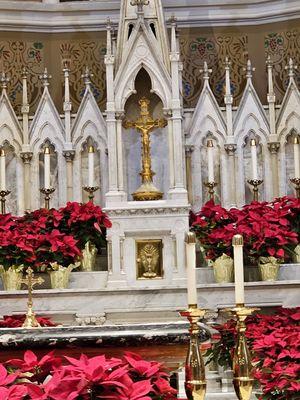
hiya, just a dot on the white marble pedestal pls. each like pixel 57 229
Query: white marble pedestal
pixel 146 220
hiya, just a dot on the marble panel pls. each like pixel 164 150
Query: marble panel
pixel 146 299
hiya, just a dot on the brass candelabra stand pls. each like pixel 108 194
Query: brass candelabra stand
pixel 296 182
pixel 242 361
pixel 195 382
pixel 91 190
pixel 47 193
pixel 30 281
pixel 255 183
pixel 3 194
pixel 211 189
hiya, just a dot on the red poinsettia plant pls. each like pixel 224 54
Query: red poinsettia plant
pixel 45 237
pixel 51 377
pixel 268 229
pixel 214 227
pixel 16 321
pixel 275 344
pixel 86 222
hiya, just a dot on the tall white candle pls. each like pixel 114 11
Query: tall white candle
pixel 191 268
pixel 91 179
pixel 254 159
pixel 2 170
pixel 237 243
pixel 47 167
pixel 297 157
pixel 210 160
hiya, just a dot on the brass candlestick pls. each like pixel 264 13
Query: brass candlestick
pixel 296 182
pixel 91 190
pixel 211 189
pixel 47 193
pixel 195 382
pixel 3 194
pixel 30 281
pixel 242 362
pixel 255 183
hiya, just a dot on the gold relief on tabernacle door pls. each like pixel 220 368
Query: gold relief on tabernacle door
pixel 149 262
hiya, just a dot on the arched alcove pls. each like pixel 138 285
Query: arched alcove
pixel 247 162
pixel 204 165
pixel 132 139
pixel 53 173
pixel 289 161
pixel 11 177
pixel 85 170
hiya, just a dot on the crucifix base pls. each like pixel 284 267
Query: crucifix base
pixel 147 191
pixel 31 321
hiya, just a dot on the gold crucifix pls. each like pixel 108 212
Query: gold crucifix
pixel 30 282
pixel 145 124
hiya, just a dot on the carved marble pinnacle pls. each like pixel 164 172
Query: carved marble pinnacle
pixel 86 76
pixel 249 69
pixel 4 79
pixel 45 77
pixel 205 71
pixel 140 4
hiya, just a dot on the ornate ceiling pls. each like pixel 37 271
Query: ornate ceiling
pixel 53 16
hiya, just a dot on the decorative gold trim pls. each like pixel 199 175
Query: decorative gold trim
pixel 149 259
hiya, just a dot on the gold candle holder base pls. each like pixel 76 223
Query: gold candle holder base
pixel 30 320
pixel 47 193
pixel 211 189
pixel 242 362
pixel 3 194
pixel 255 183
pixel 91 190
pixel 296 182
pixel 195 382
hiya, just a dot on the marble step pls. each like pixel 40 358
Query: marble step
pixel 136 302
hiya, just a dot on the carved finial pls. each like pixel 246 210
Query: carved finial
pixel 227 63
pixel 205 71
pixel 66 69
pixel 173 20
pixel 249 69
pixel 86 76
pixel 24 73
pixel 45 77
pixel 4 79
pixel 291 67
pixel 140 4
pixel 108 24
pixel 269 62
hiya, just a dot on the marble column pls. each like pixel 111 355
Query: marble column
pixel 116 256
pixel 27 157
pixel 69 157
pixel 273 148
pixel 167 114
pixel 230 150
pixel 189 181
pixel 120 162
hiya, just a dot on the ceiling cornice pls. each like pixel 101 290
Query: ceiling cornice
pixel 92 15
